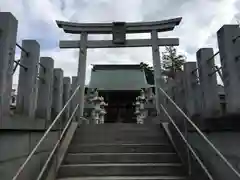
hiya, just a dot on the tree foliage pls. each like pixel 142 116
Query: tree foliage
pixel 148 72
pixel 172 62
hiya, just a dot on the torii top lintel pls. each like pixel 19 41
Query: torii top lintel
pixel 107 28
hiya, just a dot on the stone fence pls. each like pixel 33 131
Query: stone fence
pixel 42 89
pixel 196 90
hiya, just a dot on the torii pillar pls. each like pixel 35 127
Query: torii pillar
pixel 81 76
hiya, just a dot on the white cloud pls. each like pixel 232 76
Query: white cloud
pixel 201 20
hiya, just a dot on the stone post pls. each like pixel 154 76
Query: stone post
pixel 27 82
pixel 75 98
pixel 191 89
pixel 57 101
pixel 180 90
pixel 157 68
pixel 82 71
pixel 44 102
pixel 230 60
pixel 170 91
pixel 66 96
pixel 8 35
pixel 208 83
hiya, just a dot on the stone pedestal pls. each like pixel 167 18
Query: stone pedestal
pixel 230 60
pixel 44 101
pixel 66 96
pixel 193 103
pixel 8 34
pixel 27 82
pixel 208 83
pixel 57 103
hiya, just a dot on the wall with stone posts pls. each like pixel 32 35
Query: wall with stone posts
pixel 201 87
pixel 8 34
pixel 229 43
pixel 24 126
pixel 192 96
pixel 208 83
pixel 180 91
pixel 57 102
pixel 171 91
pixel 66 96
pixel 44 102
pixel 74 101
pixel 223 132
pixel 27 82
pixel 15 147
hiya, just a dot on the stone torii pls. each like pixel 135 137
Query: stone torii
pixel 119 31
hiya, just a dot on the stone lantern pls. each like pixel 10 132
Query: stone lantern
pixel 140 110
pixel 103 111
pixel 150 95
pixel 137 111
pixel 96 110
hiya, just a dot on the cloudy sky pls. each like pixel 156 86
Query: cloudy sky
pixel 201 20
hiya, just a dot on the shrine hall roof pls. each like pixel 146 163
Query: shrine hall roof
pixel 118 77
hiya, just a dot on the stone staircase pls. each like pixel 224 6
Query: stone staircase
pixel 121 151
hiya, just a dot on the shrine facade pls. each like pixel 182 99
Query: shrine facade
pixel 120 85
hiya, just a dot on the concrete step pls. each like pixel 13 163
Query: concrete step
pixel 117 133
pixel 125 128
pixel 127 178
pixel 88 158
pixel 121 134
pixel 108 138
pixel 118 126
pixel 153 169
pixel 112 128
pixel 123 148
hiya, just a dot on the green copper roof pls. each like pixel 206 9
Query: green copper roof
pixel 118 77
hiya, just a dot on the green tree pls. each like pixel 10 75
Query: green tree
pixel 148 72
pixel 172 62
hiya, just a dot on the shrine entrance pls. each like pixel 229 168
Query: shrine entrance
pixel 120 106
pixel 119 31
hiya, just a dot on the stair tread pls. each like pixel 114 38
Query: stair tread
pixel 124 169
pixel 126 177
pixel 121 152
pixel 125 153
pixel 123 164
pixel 123 144
pixel 83 158
pixel 77 148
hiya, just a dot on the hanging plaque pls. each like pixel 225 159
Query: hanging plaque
pixel 119 32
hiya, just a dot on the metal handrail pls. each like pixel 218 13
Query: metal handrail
pixel 20 47
pixel 44 136
pixel 187 144
pixel 57 144
pixel 202 135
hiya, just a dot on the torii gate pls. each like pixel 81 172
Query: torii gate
pixel 119 30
